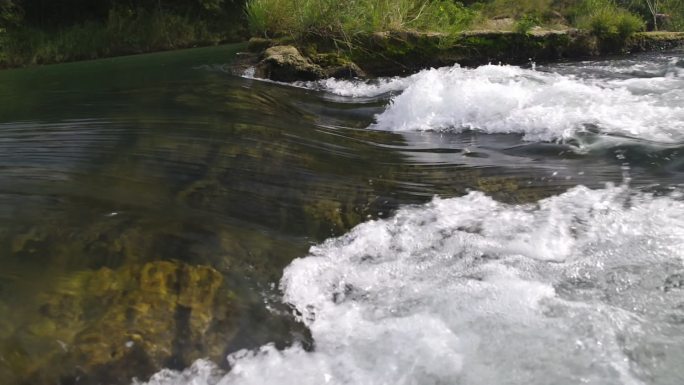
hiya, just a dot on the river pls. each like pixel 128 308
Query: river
pixel 497 225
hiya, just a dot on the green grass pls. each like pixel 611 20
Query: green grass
pixel 342 19
pixel 129 31
pixel 345 18
pixel 518 8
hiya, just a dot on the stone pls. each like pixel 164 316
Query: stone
pixel 337 66
pixel 287 64
pixel 258 44
pixel 108 325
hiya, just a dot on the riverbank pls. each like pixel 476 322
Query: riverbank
pixel 332 36
pixel 406 52
pixel 120 31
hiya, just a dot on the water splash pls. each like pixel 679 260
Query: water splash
pixel 584 287
pixel 613 101
pixel 540 106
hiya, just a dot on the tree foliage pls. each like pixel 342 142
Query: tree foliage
pixel 10 13
pixel 53 14
pixel 52 31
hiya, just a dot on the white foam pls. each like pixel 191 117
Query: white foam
pixel 542 106
pixel 471 291
pixel 249 73
pixel 357 88
pixel 342 87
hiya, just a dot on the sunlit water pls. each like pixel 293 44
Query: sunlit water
pixel 554 252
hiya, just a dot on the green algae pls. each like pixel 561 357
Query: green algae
pixel 133 317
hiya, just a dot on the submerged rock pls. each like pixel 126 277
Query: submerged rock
pixel 285 63
pixel 106 326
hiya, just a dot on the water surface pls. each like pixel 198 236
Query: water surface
pixel 513 276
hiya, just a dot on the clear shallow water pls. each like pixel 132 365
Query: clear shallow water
pixel 529 280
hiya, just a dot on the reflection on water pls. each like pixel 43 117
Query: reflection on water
pixel 127 185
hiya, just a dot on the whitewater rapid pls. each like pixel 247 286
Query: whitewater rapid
pixel 643 101
pixel 586 287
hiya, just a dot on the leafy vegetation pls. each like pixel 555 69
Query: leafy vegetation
pixel 659 14
pixel 345 18
pixel 525 24
pixel 605 19
pixel 37 32
pixel 42 31
pixel 329 18
pixel 675 9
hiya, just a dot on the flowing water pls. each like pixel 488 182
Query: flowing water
pixel 498 225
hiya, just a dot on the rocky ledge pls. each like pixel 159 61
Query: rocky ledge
pixel 405 52
pixel 287 64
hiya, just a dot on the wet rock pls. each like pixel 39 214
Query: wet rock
pixel 337 66
pixel 654 41
pixel 106 326
pixel 259 44
pixel 405 52
pixel 287 64
pixel 674 282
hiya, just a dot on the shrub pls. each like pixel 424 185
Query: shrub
pixel 125 31
pixel 525 24
pixel 628 23
pixel 606 20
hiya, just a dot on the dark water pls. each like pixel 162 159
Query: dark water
pixel 110 166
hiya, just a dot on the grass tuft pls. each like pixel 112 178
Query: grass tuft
pixel 345 18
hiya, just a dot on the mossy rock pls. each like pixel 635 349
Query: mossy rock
pixel 399 53
pixel 258 44
pixel 287 64
pixel 106 326
pixel 336 65
pixel 111 241
pixel 654 41
pixel 404 52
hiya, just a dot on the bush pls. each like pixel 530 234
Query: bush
pixel 628 23
pixel 525 24
pixel 125 31
pixel 606 20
